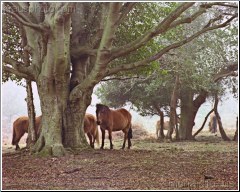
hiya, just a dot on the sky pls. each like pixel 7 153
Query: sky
pixel 13 103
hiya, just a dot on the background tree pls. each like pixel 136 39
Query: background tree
pixel 198 63
pixel 73 46
pixel 14 39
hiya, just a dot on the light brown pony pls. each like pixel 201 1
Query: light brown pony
pixel 91 129
pixel 213 123
pixel 114 120
pixel 20 127
pixel 166 126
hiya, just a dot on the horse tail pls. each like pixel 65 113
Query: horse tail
pixel 130 136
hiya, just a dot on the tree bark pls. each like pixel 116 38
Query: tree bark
pixel 173 106
pixel 32 135
pixel 186 115
pixel 198 131
pixel 161 115
pixel 189 109
pixel 220 126
pixel 62 117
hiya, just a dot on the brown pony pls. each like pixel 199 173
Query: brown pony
pixel 91 129
pixel 20 127
pixel 114 120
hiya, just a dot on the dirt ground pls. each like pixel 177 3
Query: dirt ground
pixel 208 163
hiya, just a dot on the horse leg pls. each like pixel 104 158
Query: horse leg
pixel 17 141
pixel 90 139
pixel 125 138
pixel 93 141
pixel 129 143
pixel 17 147
pixel 103 137
pixel 110 138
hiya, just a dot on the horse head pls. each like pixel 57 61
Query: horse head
pixel 102 113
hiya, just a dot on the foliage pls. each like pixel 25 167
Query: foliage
pixel 196 63
pixel 11 45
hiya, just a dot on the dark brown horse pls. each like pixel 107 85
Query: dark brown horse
pixel 114 120
pixel 20 127
pixel 91 129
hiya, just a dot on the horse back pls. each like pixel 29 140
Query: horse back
pixel 89 123
pixel 21 124
pixel 121 119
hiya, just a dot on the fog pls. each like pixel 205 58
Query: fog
pixel 14 105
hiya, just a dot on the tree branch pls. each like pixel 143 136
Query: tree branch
pixel 17 73
pixel 126 8
pixel 188 19
pixel 108 35
pixel 200 129
pixel 121 78
pixel 228 70
pixel 145 62
pixel 38 27
pixel 159 29
pixel 65 11
pixel 222 4
pixel 82 50
pixel 21 9
pixel 19 68
pixel 102 53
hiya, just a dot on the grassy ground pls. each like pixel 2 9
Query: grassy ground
pixel 208 163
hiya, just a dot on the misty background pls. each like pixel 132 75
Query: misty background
pixel 14 105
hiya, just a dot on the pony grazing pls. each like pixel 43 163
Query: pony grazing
pixel 114 120
pixel 91 129
pixel 20 127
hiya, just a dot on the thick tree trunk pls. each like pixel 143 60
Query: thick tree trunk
pixel 62 122
pixel 32 135
pixel 53 104
pixel 186 116
pixel 74 136
pixel 189 109
pixel 62 117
